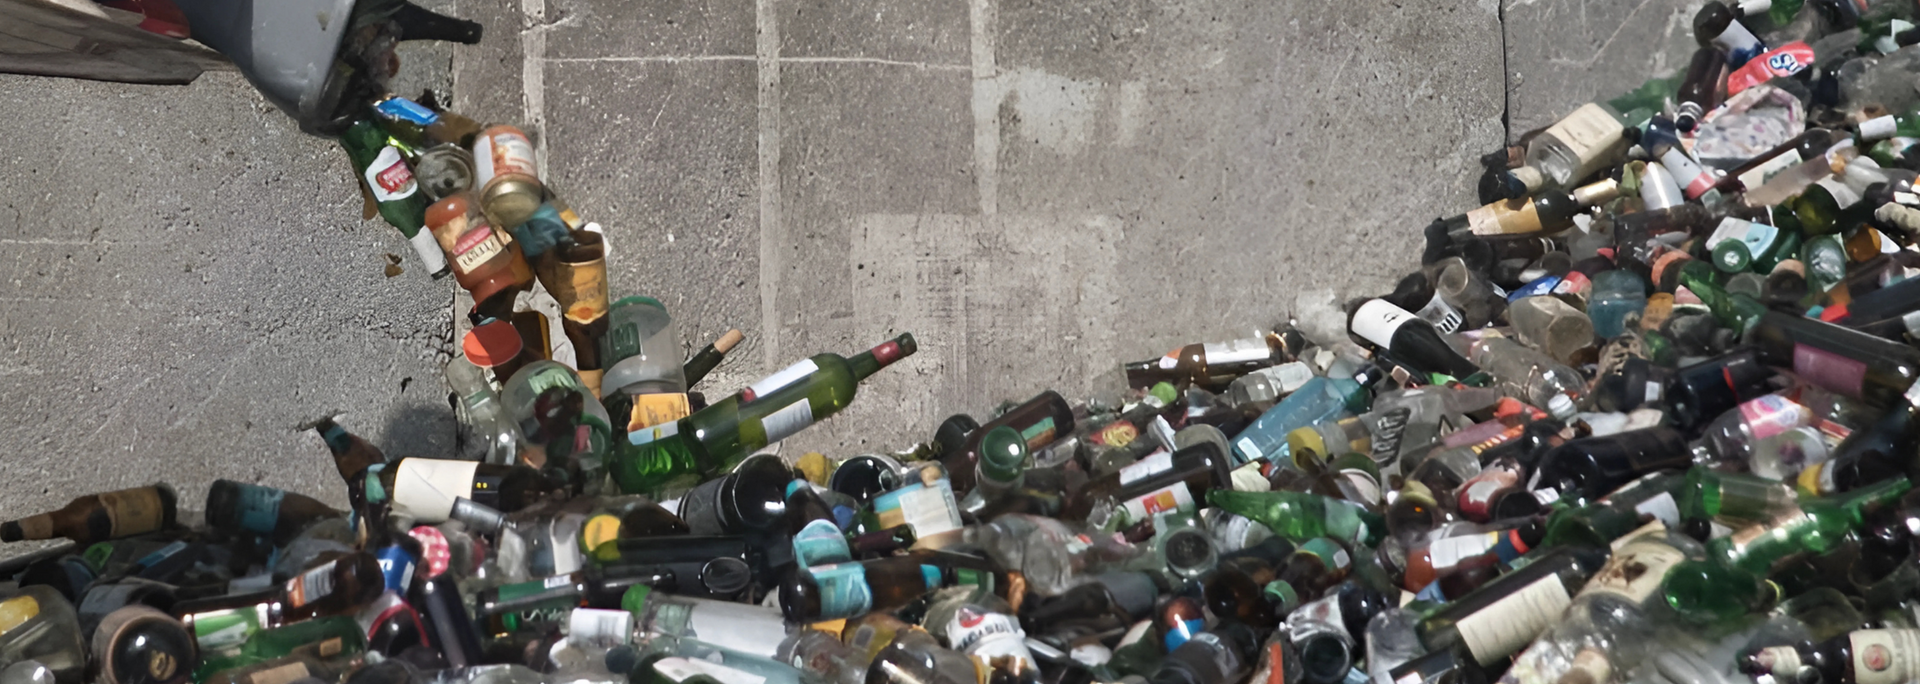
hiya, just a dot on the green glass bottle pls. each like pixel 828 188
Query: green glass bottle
pixel 1736 311
pixel 1730 498
pixel 383 167
pixel 1601 522
pixel 1502 616
pixel 1299 516
pixel 718 437
pixel 1714 590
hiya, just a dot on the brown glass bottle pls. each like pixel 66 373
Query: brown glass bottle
pixel 351 454
pixel 99 517
pixel 250 510
pixel 338 585
pixel 1040 421
pixel 1210 365
pixel 1197 468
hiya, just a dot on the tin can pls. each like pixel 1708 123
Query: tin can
pixel 508 174
pixel 444 171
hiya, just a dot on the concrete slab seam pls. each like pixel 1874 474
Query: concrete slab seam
pixel 767 54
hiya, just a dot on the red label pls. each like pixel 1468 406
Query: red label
pixel 395 177
pixel 1785 60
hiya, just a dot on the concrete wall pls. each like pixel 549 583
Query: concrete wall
pixel 1037 190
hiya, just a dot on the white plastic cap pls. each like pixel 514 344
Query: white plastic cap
pixel 1561 406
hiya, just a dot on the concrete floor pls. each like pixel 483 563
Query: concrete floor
pixel 1038 190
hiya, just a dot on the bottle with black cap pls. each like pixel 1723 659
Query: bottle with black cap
pixel 1411 340
pixel 139 644
pixel 712 566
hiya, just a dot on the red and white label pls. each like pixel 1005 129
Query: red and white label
pixel 1785 60
pixel 388 176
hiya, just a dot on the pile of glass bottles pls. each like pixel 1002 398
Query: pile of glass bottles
pixel 1649 415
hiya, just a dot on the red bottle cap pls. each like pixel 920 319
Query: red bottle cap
pixel 492 344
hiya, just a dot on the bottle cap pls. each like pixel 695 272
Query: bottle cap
pixel 598 530
pixel 1561 406
pixel 492 344
pixel 725 577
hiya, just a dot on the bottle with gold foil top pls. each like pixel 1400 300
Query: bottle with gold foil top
pixel 99 517
pixel 576 275
pixel 485 261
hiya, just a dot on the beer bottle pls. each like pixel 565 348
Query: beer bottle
pixel 383 168
pixel 138 644
pixel 1298 516
pixel 251 510
pixel 99 517
pixel 545 602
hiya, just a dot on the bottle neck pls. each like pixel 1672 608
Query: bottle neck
pixel 871 361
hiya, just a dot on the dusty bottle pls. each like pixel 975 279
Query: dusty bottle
pixel 1574 148
pixel 1528 375
pixel 99 517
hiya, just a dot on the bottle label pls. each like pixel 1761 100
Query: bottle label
pixel 1829 370
pixel 474 248
pixel 396 567
pixel 310 586
pixel 980 632
pixel 590 624
pixel 930 510
pixel 544 601
pixel 1318 616
pixel 1772 414
pixel 1540 286
pixel 1505 217
pixel 1116 434
pixel 1573 283
pixel 1039 434
pixel 284 674
pixel 259 508
pixel 1785 60
pixel 133 511
pixel 1377 320
pixel 1739 43
pixel 1506 625
pixel 1885 656
pixel 1662 508
pixel 773 383
pixel 1878 127
pixel 1173 497
pixel 225 629
pixel 657 408
pixel 843 589
pixel 682 669
pixel 1761 174
pixel 1388 427
pixel 1237 351
pixel 653 434
pixel 792 418
pixel 388 176
pixel 425 488
pixel 1636 569
pixel 1159 462
pixel 820 543
pixel 1448 552
pixel 406 110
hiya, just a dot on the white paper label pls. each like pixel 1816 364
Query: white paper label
pixel 1159 462
pixel 425 488
pixel 1636 569
pixel 739 627
pixel 683 669
pixel 784 422
pixel 786 376
pixel 1662 508
pixel 979 632
pixel 1878 127
pixel 428 249
pixel 592 624
pixel 931 510
pixel 1758 176
pixel 1175 497
pixel 1378 319
pixel 1885 656
pixel 388 176
pixel 1237 351
pixel 1507 625
pixel 1448 552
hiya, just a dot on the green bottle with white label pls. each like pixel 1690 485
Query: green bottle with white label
pixel 716 438
pixel 383 167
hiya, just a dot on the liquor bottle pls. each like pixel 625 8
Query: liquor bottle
pixel 484 263
pixel 1717 25
pixel 1221 655
pixel 1410 340
pixel 1702 391
pixel 1453 548
pixel 1299 517
pixel 138 644
pixel 1041 420
pixel 99 517
pixel 1870 454
pixel 1593 466
pixel 1325 632
pixel 1573 148
pixel 1699 89
pixel 1731 439
pixel 1859 657
pixel 250 510
pixel 1209 365
pixel 1161 482
pixel 425 488
pixel 818 537
pixel 709 566
pixel 1417 293
pixel 1852 363
pixel 383 168
pixel 1613 620
pixel 1318 400
pixel 751 498
pixel 710 356
pixel 1716 590
pixel 1529 375
pixel 1505 614
pixel 719 436
pixel 838 590
pixel 546 602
